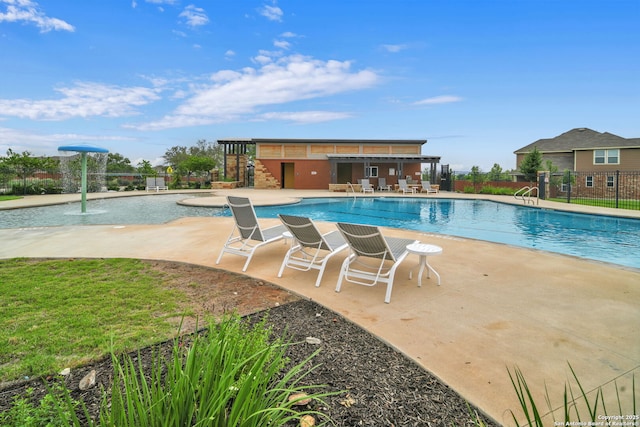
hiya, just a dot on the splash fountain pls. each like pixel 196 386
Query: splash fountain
pixel 83 150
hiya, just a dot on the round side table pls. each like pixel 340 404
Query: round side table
pixel 424 250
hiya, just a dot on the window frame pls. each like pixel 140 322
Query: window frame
pixel 588 181
pixel 606 156
pixel 371 172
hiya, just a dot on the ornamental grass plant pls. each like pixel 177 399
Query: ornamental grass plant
pixel 230 375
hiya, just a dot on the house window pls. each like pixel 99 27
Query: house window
pixel 610 181
pixel 565 187
pixel 589 182
pixel 606 157
pixel 371 171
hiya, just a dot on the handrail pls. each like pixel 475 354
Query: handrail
pixel 350 185
pixel 524 194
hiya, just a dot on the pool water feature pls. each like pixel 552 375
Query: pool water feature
pixel 603 238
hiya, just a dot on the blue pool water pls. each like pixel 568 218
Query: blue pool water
pixel 604 238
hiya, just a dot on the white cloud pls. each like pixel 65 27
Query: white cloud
pixel 194 16
pixel 303 117
pixel 394 48
pixel 29 12
pixel 47 144
pixel 282 44
pixel 444 99
pixel 272 13
pixel 81 100
pixel 240 94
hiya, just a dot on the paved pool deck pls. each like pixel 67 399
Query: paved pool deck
pixel 498 307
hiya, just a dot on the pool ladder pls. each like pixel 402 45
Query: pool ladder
pixel 524 194
pixel 350 186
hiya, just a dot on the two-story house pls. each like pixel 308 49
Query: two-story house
pixel 601 164
pixel 585 150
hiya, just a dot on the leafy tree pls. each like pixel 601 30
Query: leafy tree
pixel 199 165
pixel 496 174
pixel 117 163
pixel 25 165
pixel 476 175
pixel 531 164
pixel 145 169
pixel 554 180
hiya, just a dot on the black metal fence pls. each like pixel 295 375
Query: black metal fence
pixel 616 189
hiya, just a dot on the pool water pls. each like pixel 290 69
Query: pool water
pixel 604 238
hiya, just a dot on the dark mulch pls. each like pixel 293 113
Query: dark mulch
pixel 384 387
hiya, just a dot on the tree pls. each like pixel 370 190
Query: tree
pixel 476 175
pixel 117 163
pixel 531 164
pixel 496 174
pixel 200 166
pixel 145 169
pixel 24 165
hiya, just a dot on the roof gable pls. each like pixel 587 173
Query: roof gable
pixel 579 139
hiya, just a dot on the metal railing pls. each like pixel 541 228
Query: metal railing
pixel 615 189
pixel 524 194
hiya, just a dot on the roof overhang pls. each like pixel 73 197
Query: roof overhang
pixel 385 157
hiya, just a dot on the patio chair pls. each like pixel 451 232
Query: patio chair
pixel 373 259
pixel 404 187
pixel 366 186
pixel 427 188
pixel 382 184
pixel 247 236
pixel 151 184
pixel 156 184
pixel 310 249
pixel 160 185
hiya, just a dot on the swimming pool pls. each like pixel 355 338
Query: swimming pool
pixel 604 238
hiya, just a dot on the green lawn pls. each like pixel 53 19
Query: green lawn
pixel 63 313
pixel 622 204
pixel 3 198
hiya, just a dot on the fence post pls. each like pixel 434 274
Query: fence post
pixel 617 188
pixel 569 189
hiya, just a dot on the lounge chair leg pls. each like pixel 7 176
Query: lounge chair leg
pixel 345 265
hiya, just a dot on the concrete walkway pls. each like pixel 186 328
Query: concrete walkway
pixel 498 307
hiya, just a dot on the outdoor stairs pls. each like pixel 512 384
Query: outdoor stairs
pixel 262 178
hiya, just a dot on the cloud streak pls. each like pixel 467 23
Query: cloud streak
pixel 27 11
pixel 233 95
pixel 444 99
pixel 82 100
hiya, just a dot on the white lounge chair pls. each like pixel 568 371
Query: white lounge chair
pixel 310 249
pixel 404 187
pixel 366 186
pixel 373 259
pixel 160 185
pixel 382 184
pixel 247 236
pixel 156 184
pixel 427 188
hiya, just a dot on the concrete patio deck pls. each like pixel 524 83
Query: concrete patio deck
pixel 498 307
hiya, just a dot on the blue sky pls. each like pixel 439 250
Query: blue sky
pixel 478 79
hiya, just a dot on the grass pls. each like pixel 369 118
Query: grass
pixel 4 197
pixel 56 314
pixel 603 203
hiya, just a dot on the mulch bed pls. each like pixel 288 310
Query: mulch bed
pixel 381 387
